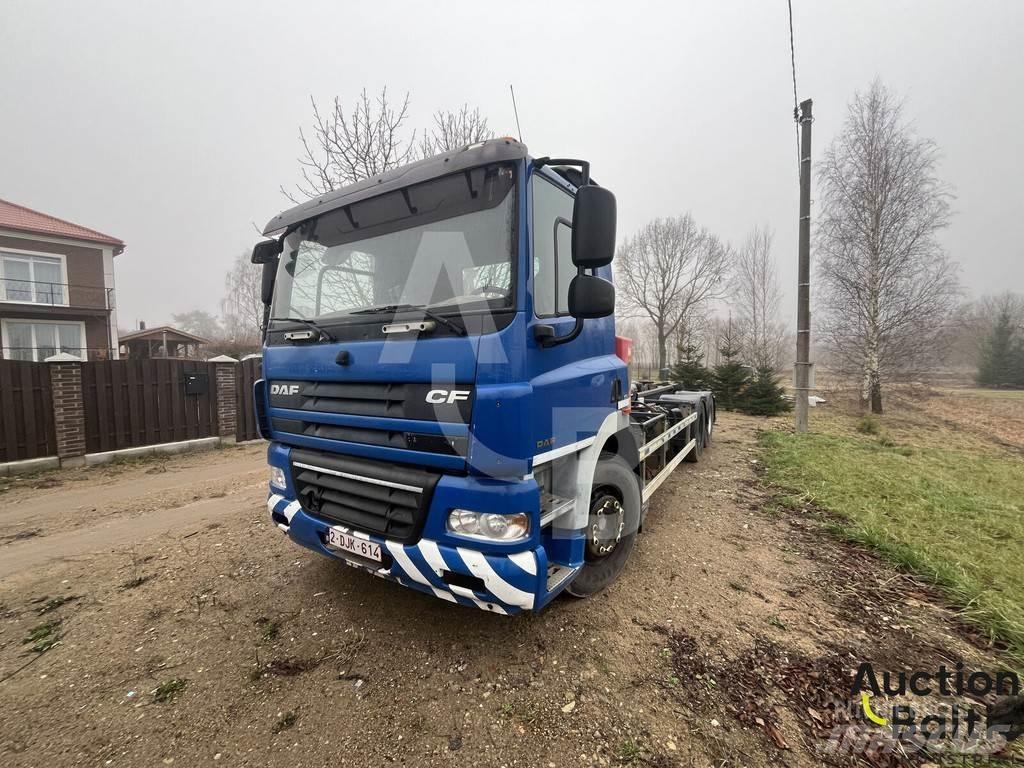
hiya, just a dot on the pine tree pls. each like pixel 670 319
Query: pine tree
pixel 1000 362
pixel 730 377
pixel 689 370
pixel 764 396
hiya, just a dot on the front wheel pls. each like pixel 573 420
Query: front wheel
pixel 611 527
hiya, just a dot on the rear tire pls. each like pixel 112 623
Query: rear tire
pixel 697 432
pixel 611 527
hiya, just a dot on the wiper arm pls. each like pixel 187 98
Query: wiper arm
pixel 322 332
pixel 446 322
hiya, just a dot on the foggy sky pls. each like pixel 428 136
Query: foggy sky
pixel 173 125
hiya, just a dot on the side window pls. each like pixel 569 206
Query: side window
pixel 551 281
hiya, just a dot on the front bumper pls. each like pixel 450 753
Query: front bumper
pixel 506 583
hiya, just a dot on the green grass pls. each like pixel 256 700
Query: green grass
pixel 956 518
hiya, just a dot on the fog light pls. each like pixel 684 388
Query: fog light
pixel 489 525
pixel 277 478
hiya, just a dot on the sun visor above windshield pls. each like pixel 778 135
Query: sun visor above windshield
pixel 484 153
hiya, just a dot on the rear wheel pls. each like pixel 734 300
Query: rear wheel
pixel 698 433
pixel 611 527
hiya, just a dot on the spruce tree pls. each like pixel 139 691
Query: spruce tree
pixel 764 396
pixel 730 377
pixel 689 370
pixel 1000 362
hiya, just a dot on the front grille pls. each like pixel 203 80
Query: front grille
pixel 370 496
pixel 426 402
pixel 412 441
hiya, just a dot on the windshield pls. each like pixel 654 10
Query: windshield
pixel 445 244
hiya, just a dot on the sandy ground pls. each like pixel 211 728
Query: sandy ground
pixel 732 633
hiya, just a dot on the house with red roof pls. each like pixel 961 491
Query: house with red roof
pixel 56 287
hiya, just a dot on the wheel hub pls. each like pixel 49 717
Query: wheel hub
pixel 607 521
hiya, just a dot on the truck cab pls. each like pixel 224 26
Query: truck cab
pixel 445 401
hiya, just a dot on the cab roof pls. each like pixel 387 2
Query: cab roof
pixel 472 156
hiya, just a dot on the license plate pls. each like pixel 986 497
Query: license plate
pixel 346 541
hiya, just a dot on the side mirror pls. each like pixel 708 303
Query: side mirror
pixel 593 227
pixel 591 297
pixel 267 284
pixel 266 251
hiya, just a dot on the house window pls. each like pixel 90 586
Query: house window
pixel 32 278
pixel 36 341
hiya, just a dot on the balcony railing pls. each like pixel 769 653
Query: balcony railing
pixel 71 295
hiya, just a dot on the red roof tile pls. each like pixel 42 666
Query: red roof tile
pixel 18 217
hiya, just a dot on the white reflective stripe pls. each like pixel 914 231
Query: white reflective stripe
pixel 432 555
pixel 623 403
pixel 272 501
pixel 496 585
pixel 526 561
pixel 290 510
pixel 361 478
pixel 398 552
pixel 565 450
pixel 283 527
pixel 468 594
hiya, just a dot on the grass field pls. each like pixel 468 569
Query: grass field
pixel 933 497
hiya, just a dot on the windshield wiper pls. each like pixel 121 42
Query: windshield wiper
pixel 321 331
pixel 446 322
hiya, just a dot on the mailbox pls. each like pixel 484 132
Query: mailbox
pixel 197 383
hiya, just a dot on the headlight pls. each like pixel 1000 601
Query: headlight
pixel 277 478
pixel 488 525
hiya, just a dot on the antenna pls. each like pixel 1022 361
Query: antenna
pixel 516 111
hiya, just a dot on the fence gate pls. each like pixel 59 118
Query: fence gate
pixel 248 371
pixel 26 411
pixel 130 403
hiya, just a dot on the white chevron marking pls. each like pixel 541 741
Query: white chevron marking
pixel 526 561
pixel 398 552
pixel 290 510
pixel 431 553
pixel 500 588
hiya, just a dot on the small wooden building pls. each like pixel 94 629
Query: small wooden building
pixel 164 341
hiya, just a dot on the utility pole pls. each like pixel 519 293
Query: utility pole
pixel 802 369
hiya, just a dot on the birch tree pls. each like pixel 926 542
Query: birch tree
pixel 887 287
pixel 242 305
pixel 757 296
pixel 349 144
pixel 454 130
pixel 346 146
pixel 670 270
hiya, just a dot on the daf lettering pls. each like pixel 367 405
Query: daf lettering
pixel 284 389
pixel 438 396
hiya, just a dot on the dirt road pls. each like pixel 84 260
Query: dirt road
pixel 177 625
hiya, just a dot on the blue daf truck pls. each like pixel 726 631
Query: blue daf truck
pixel 446 401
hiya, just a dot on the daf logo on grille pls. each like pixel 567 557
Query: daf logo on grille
pixel 438 396
pixel 284 389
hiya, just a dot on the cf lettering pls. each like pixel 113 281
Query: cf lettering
pixel 438 396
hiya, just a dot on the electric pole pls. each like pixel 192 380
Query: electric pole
pixel 802 369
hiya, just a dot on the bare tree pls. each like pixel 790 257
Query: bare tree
pixel 757 296
pixel 242 305
pixel 669 270
pixel 346 147
pixel 887 286
pixel 453 130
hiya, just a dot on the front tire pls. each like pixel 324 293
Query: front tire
pixel 611 528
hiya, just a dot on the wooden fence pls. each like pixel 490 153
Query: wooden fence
pixel 129 403
pixel 26 411
pixel 249 370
